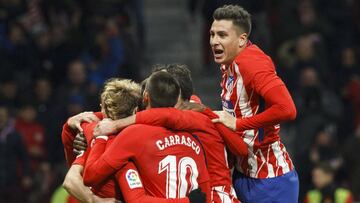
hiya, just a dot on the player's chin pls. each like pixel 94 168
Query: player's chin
pixel 218 59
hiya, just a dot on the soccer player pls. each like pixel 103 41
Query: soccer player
pixel 198 124
pixel 255 100
pixel 170 163
pixel 118 99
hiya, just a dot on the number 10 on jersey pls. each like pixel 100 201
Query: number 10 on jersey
pixel 178 181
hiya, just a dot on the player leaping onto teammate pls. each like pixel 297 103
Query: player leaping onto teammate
pixel 255 100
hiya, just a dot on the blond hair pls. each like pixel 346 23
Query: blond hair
pixel 120 97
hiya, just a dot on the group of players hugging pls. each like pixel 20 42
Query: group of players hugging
pixel 156 141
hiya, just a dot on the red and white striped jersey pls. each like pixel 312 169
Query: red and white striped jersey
pixel 244 83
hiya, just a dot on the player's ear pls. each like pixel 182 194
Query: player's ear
pixel 145 98
pixel 135 110
pixel 242 40
pixel 103 110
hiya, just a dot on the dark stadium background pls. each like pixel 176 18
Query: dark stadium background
pixel 55 56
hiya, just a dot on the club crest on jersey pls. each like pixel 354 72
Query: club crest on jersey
pixel 133 179
pixel 230 83
pixel 228 107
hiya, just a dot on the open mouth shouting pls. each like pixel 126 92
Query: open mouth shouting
pixel 218 53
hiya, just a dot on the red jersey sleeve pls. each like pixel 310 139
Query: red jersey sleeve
pixel 233 141
pixel 258 70
pixel 88 131
pixel 101 164
pixel 281 108
pixel 192 121
pixel 81 158
pixel 67 138
pixel 174 119
pixel 205 187
pixel 265 78
pixel 132 189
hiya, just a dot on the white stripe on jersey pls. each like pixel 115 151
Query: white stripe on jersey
pixel 280 158
pixel 224 197
pixel 263 161
pixel 246 111
pixel 243 100
pixel 269 166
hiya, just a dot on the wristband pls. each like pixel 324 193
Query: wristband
pixel 104 137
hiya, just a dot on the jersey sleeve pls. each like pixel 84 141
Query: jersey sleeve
pixel 265 79
pixel 88 131
pixel 67 138
pixel 81 158
pixel 280 108
pixel 101 163
pixel 262 77
pixel 174 119
pixel 205 187
pixel 258 70
pixel 132 189
pixel 233 141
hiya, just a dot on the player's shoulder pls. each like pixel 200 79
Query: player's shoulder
pixel 252 55
pixel 253 59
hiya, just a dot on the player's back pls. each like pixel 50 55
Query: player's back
pixel 171 163
pixel 214 147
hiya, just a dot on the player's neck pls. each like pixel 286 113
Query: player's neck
pixel 241 49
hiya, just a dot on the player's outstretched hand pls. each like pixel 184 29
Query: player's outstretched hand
pixel 108 126
pixel 227 119
pixel 197 196
pixel 79 143
pixel 75 121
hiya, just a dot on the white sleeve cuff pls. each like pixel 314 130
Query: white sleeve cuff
pixel 102 137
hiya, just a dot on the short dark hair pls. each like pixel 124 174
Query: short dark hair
pixel 182 74
pixel 163 89
pixel 237 14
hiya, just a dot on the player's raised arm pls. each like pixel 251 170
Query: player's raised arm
pixel 279 106
pixel 102 163
pixel 70 129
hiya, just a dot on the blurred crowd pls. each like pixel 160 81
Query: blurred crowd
pixel 55 56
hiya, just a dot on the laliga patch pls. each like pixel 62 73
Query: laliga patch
pixel 133 179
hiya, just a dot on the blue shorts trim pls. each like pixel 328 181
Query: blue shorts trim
pixel 281 189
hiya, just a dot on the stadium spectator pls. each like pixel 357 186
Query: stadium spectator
pixel 326 190
pixel 15 173
pixel 352 162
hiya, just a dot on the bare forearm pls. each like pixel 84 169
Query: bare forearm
pixel 73 183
